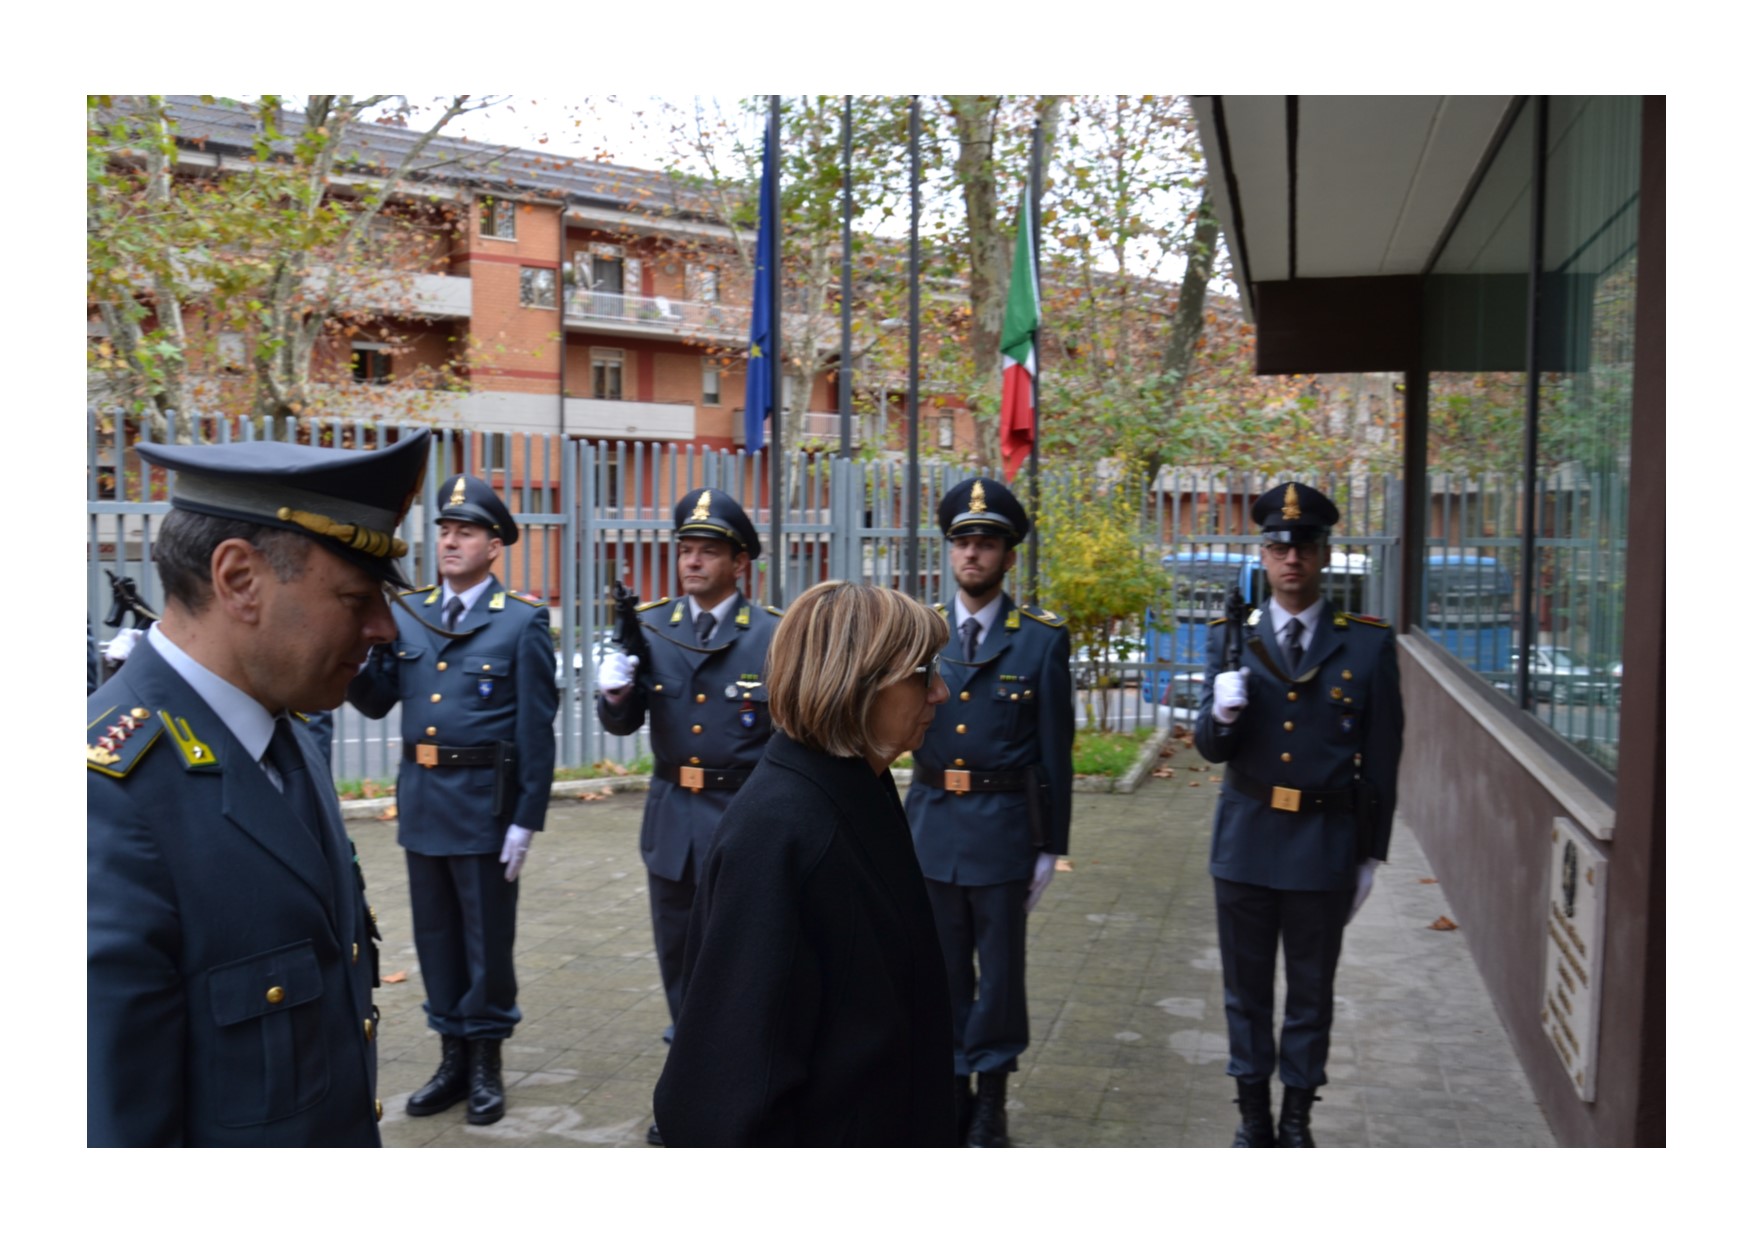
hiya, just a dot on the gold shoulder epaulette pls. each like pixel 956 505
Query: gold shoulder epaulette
pixel 1042 616
pixel 657 602
pixel 1371 620
pixel 940 609
pixel 531 599
pixel 772 610
pixel 116 740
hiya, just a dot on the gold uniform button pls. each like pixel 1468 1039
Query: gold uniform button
pixel 1284 757
pixel 140 712
pixel 1289 726
pixel 487 667
pixel 960 762
pixel 1292 696
pixel 699 698
pixel 1013 697
pixel 695 729
pixel 961 728
pixel 437 697
pixel 694 762
pixel 432 731
pixel 442 666
pixel 368 1029
pixel 659 688
pixel 380 1108
pixel 965 695
pixel 1335 691
pixel 275 994
pixel 1345 675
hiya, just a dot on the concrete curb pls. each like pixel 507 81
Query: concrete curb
pixel 570 789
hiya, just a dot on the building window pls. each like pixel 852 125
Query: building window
pixel 703 283
pixel 606 374
pixel 709 381
pixel 371 363
pixel 499 219
pixel 1534 605
pixel 536 287
pixel 947 431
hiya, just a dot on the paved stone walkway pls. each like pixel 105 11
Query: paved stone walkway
pixel 1126 1001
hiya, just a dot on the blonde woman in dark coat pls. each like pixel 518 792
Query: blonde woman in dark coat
pixel 815 1009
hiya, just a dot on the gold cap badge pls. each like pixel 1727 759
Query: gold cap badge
pixel 977 502
pixel 702 508
pixel 1291 511
pixel 458 493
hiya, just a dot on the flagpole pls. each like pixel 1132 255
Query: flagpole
pixel 846 280
pixel 1035 379
pixel 776 484
pixel 913 348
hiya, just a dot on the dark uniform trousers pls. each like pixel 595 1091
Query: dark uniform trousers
pixel 1283 879
pixel 1009 710
pixel 708 709
pixel 230 956
pixel 495 683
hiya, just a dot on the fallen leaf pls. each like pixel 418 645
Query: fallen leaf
pixel 388 815
pixel 1442 923
pixel 390 979
pixel 1063 864
pixel 1214 779
pixel 1428 880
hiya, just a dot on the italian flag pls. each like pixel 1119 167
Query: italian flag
pixel 1017 349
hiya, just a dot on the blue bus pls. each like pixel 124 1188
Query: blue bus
pixel 1468 609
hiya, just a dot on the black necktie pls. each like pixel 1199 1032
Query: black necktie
pixel 971 638
pixel 1293 643
pixel 453 612
pixel 295 779
pixel 703 626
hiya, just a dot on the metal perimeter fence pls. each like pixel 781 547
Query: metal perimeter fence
pixel 591 513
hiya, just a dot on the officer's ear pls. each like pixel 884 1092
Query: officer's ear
pixel 494 547
pixel 740 563
pixel 236 572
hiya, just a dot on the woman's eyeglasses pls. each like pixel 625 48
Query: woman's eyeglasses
pixel 928 670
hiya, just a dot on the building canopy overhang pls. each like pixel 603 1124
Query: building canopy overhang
pixel 1333 206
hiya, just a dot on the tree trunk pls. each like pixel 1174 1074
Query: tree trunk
pixel 1190 321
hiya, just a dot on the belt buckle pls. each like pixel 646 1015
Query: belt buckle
pixel 1288 799
pixel 957 782
pixel 426 755
pixel 692 778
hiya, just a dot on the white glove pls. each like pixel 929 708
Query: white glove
pixel 1044 874
pixel 517 847
pixel 615 672
pixel 1366 876
pixel 119 647
pixel 1230 693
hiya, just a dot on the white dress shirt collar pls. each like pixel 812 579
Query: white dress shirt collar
pixel 468 596
pixel 986 615
pixel 243 716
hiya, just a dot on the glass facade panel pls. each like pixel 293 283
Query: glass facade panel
pixel 1566 623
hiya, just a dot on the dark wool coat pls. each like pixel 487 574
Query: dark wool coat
pixel 815 1009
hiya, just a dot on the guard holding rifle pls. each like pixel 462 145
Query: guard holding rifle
pixel 991 800
pixel 1303 705
pixel 696 663
pixel 474 675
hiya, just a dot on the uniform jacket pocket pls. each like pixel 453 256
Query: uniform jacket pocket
pixel 269 1056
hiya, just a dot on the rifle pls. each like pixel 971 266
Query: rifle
pixel 1235 614
pixel 125 601
pixel 630 636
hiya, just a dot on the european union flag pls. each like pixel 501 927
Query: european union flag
pixel 759 386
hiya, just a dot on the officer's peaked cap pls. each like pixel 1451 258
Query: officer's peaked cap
pixel 1294 512
pixel 711 513
pixel 346 500
pixel 983 506
pixel 464 498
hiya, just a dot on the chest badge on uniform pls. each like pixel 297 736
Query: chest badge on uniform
pixel 1346 722
pixel 485 688
pixel 747 716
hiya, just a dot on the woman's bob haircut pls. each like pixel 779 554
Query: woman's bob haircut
pixel 838 646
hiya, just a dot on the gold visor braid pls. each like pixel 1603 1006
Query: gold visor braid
pixel 356 537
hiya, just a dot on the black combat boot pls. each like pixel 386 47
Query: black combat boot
pixel 486 1089
pixel 1294 1117
pixel 449 1085
pixel 987 1129
pixel 1256 1104
pixel 964 1106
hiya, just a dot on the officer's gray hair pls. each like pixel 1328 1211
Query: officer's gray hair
pixel 837 647
pixel 184 547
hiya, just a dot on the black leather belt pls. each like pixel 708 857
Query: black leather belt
pixel 972 781
pixel 450 755
pixel 1293 800
pixel 695 778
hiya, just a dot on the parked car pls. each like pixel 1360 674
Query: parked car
pixel 1555 678
pixel 1127 667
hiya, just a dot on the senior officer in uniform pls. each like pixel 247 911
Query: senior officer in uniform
pixel 708 705
pixel 229 953
pixel 477 766
pixel 1309 728
pixel 990 805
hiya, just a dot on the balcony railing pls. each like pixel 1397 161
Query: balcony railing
pixel 659 314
